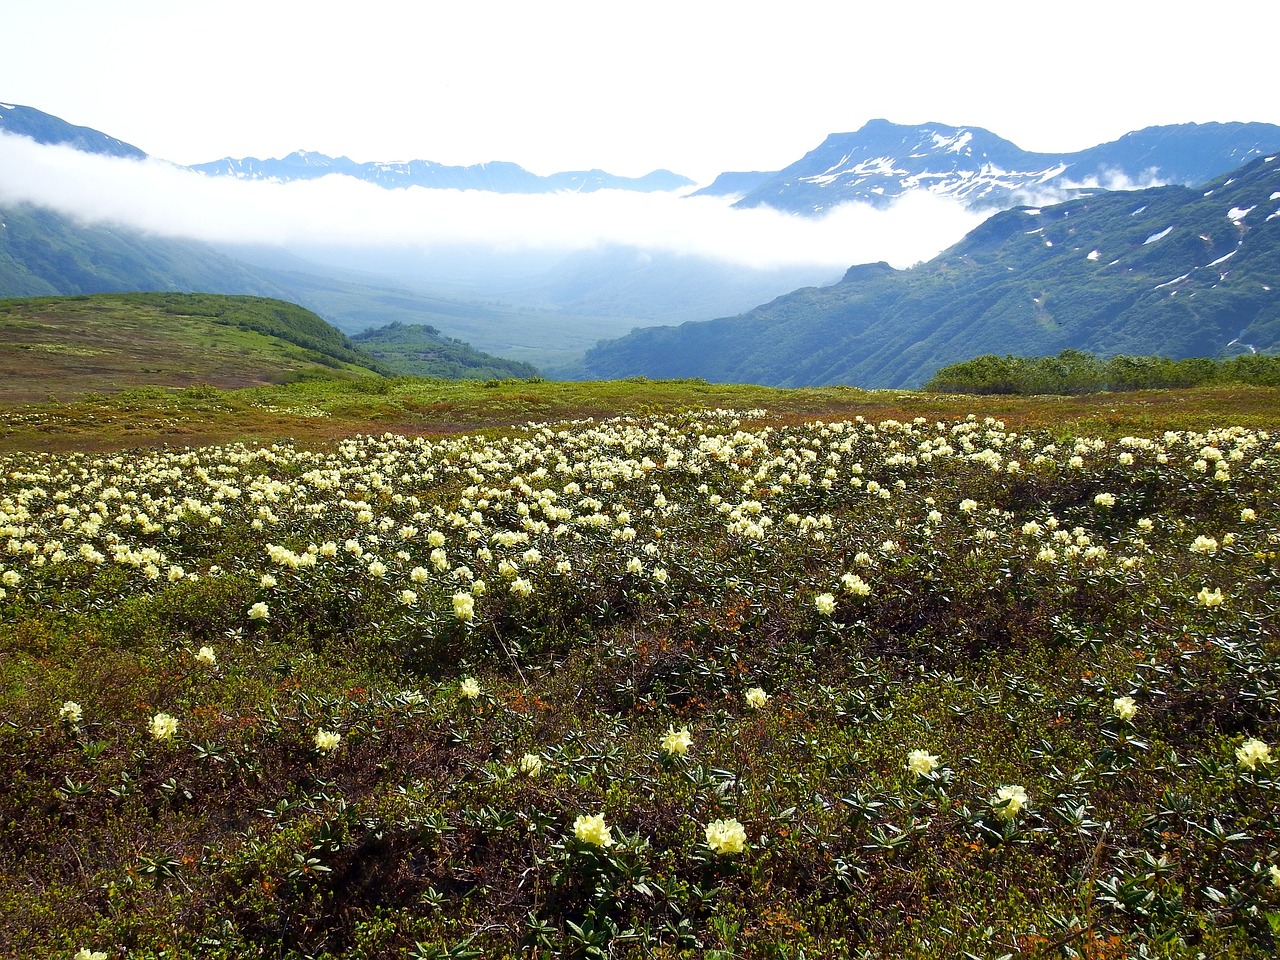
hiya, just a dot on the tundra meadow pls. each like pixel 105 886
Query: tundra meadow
pixel 699 684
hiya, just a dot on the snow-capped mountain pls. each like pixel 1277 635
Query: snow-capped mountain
pixel 497 177
pixel 884 161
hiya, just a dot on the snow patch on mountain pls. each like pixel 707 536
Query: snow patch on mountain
pixel 954 144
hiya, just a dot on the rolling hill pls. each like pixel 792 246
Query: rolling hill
pixel 69 346
pixel 1172 271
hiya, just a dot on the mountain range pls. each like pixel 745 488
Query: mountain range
pixel 877 164
pixel 884 161
pixel 1001 289
pixel 497 177
pixel 1172 270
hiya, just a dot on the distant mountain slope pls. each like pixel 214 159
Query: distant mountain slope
pixel 883 161
pixel 1172 271
pixel 417 350
pixel 497 177
pixel 46 128
pixel 45 253
pixel 66 346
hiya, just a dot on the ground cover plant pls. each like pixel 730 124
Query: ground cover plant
pixel 327 409
pixel 694 683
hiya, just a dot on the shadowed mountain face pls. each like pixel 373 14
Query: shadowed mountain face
pixel 1173 271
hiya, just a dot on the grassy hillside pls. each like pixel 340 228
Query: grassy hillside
pixel 856 675
pixel 69 346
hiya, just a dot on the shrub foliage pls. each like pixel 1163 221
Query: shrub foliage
pixel 1073 372
pixel 1017 695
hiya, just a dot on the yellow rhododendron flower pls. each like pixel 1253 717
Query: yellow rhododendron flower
pixel 1009 802
pixel 921 762
pixel 1210 598
pixel 677 742
pixel 1124 707
pixel 163 727
pixel 327 741
pixel 464 606
pixel 1253 752
pixel 756 698
pixel 726 836
pixel 592 829
pixel 855 585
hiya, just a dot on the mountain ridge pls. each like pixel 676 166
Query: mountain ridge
pixel 495 176
pixel 54 131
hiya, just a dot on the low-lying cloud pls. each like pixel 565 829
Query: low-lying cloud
pixel 1108 179
pixel 165 199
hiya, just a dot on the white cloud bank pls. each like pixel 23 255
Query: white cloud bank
pixel 161 198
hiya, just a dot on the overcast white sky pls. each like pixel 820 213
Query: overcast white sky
pixel 695 86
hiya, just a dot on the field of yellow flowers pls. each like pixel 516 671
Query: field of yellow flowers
pixel 703 684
